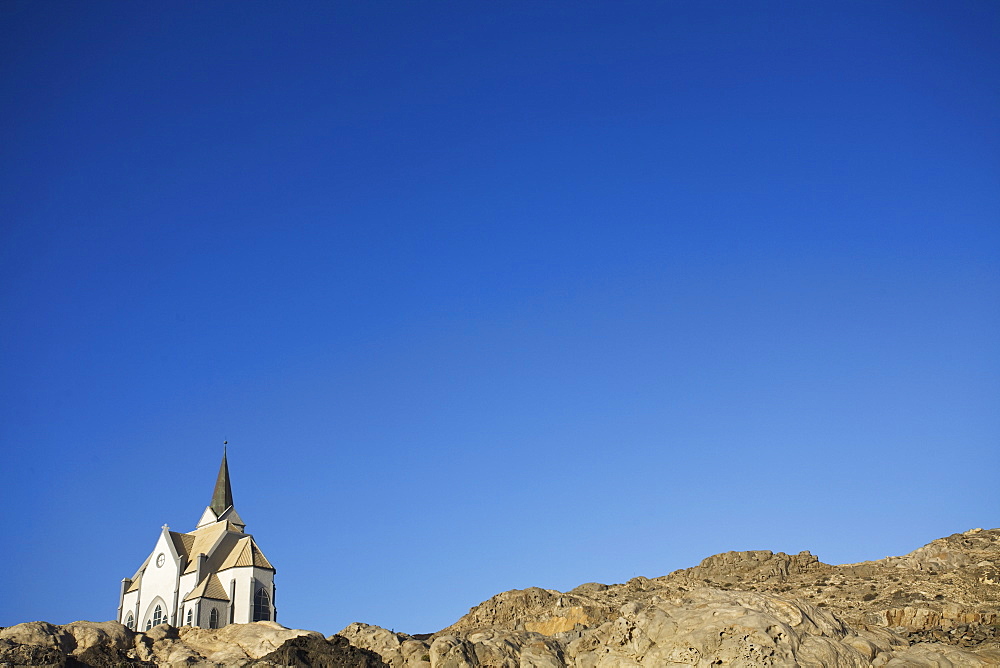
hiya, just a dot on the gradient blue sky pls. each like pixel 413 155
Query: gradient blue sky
pixel 492 295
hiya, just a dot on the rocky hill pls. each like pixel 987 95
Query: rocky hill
pixel 937 606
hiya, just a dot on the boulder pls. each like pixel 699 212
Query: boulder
pixel 230 644
pixel 399 650
pixel 18 654
pixel 99 635
pixel 39 634
pixel 315 651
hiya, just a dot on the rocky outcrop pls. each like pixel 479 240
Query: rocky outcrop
pixel 76 644
pixel 937 606
pixel 396 649
pixel 920 619
pixel 314 651
pixel 542 610
pixel 734 628
pixel 235 644
pixel 702 627
pixel 754 566
pixel 102 644
pixel 975 547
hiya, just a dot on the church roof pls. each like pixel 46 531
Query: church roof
pixel 183 542
pixel 205 540
pixel 223 542
pixel 209 587
pixel 246 553
pixel 222 496
pixel 232 516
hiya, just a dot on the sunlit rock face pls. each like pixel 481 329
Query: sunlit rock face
pixel 937 606
pixel 105 644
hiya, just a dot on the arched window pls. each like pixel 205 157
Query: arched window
pixel 261 606
pixel 157 618
pixel 189 617
pixel 213 619
pixel 130 622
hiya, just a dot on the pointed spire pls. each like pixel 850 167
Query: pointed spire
pixel 222 497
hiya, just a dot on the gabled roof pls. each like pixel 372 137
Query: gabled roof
pixel 246 553
pixel 204 541
pixel 210 587
pixel 183 542
pixel 135 582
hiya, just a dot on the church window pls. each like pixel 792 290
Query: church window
pixel 213 619
pixel 130 622
pixel 261 606
pixel 158 617
pixel 189 618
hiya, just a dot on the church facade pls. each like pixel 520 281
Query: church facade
pixel 210 577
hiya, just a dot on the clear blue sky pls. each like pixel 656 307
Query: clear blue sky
pixel 492 295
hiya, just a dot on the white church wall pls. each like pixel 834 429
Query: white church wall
pixel 230 579
pixel 203 613
pixel 163 583
pixel 241 585
pixel 160 580
pixel 266 578
pixel 261 578
pixel 187 584
pixel 240 594
pixel 130 604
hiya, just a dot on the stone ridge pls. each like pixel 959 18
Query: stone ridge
pixel 543 610
pixel 106 644
pixel 937 606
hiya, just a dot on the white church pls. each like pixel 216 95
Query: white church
pixel 210 577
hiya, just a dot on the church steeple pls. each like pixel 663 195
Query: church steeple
pixel 222 497
pixel 221 508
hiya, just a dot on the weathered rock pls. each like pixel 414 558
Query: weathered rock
pixel 396 649
pixel 40 634
pixel 745 608
pixel 754 566
pixel 936 656
pixel 542 610
pixel 919 619
pixel 701 627
pixel 80 643
pixel 19 654
pixel 107 644
pixel 734 628
pixel 231 644
pixel 937 606
pixel 315 651
pixel 951 552
pixel 101 635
